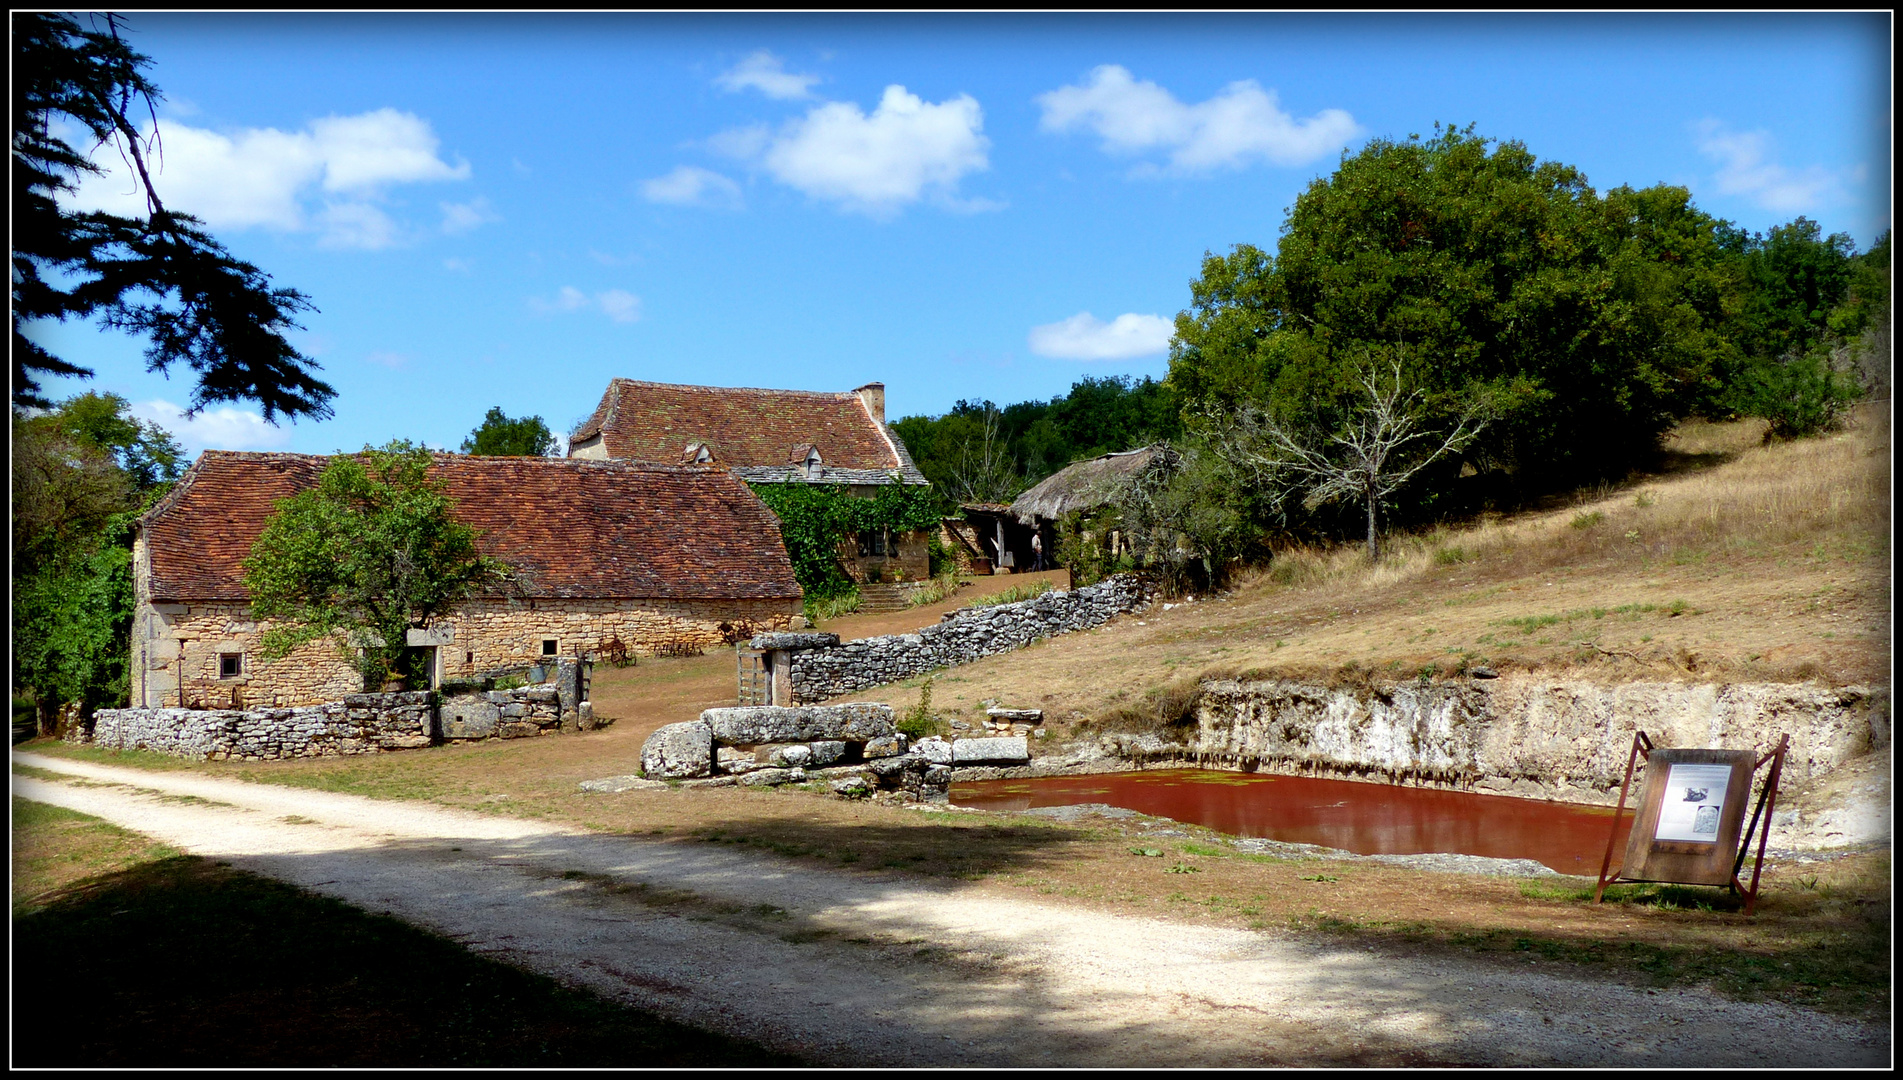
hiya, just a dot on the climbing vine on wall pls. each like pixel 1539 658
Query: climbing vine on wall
pixel 814 518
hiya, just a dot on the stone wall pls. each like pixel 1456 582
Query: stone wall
pixel 177 647
pixel 1522 735
pixel 965 635
pixel 357 724
pixel 853 747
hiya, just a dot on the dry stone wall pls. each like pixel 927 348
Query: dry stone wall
pixel 1525 736
pixel 964 636
pixel 357 724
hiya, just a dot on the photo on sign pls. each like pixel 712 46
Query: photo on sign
pixel 1694 801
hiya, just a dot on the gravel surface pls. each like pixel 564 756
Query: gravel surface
pixel 849 968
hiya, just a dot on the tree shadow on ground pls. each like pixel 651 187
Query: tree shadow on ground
pixel 184 962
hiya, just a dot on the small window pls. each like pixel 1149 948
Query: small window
pixel 469 658
pixel 548 646
pixel 230 665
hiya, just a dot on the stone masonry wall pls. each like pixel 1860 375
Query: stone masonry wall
pixel 174 642
pixel 966 635
pixel 357 724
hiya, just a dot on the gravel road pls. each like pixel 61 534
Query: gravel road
pixel 849 968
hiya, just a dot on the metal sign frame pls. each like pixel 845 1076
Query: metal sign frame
pixel 1677 810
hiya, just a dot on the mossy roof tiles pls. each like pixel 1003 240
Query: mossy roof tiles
pixel 572 529
pixel 747 428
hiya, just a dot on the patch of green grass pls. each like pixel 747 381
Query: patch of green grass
pixel 1584 521
pixel 1204 849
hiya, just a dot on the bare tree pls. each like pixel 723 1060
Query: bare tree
pixel 1383 444
pixel 986 472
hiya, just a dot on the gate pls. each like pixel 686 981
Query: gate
pixel 752 677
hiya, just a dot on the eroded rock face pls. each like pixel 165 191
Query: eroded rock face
pixel 885 746
pixel 754 725
pixel 679 752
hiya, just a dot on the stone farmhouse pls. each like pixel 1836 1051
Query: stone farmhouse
pixel 608 556
pixel 768 437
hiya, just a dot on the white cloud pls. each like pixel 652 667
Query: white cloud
pixel 765 72
pixel 871 163
pixel 617 304
pixel 356 225
pixel 223 428
pixel 460 266
pixel 1242 124
pixel 1083 336
pixel 266 178
pixel 691 186
pixel 1746 167
pixel 393 361
pixel 463 217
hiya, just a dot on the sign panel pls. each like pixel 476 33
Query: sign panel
pixel 1694 798
pixel 1690 816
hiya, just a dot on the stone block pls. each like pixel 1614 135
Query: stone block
pixel 469 718
pixel 1013 749
pixel 787 757
pixel 852 787
pixel 771 777
pixel 892 768
pixel 934 750
pixel 614 785
pixel 1017 716
pixel 793 641
pixel 885 746
pixel 825 752
pixel 679 751
pixel 515 710
pixel 517 729
pixel 543 695
pixel 753 725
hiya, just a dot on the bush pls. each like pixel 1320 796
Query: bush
pixel 1799 395
pixel 920 721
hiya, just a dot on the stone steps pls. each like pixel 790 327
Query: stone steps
pixel 883 597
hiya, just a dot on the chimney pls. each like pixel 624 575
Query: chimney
pixel 873 394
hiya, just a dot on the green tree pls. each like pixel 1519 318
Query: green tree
pixel 161 276
pixel 80 474
pixel 1590 323
pixel 499 436
pixel 373 551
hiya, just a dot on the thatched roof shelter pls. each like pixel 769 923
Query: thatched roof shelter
pixel 1090 485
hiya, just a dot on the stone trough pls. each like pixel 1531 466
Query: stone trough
pixel 855 747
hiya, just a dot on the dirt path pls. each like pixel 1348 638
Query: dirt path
pixel 869 969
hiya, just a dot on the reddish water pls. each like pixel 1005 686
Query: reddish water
pixel 1367 819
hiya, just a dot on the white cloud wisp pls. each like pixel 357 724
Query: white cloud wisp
pixel 328 176
pixel 765 72
pixel 871 163
pixel 1083 336
pixel 1746 168
pixel 692 186
pixel 222 428
pixel 617 304
pixel 1242 124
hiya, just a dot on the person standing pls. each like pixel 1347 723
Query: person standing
pixel 1037 550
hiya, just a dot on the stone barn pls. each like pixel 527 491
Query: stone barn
pixel 610 557
pixel 768 437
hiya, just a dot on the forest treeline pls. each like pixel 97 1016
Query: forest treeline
pixel 1431 283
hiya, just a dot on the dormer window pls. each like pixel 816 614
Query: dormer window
pixel 810 461
pixel 697 453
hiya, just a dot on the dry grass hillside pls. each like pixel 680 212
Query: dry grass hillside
pixel 1736 561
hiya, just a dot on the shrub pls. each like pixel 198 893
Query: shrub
pixel 920 721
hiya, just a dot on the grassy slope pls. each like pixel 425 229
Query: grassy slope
pixel 1735 562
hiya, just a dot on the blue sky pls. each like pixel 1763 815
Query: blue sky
pixel 512 210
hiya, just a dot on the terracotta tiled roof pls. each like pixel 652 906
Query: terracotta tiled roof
pixel 763 433
pixel 572 529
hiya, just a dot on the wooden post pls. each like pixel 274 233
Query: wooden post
pixel 1631 762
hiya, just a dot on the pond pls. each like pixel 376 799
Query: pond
pixel 1365 818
